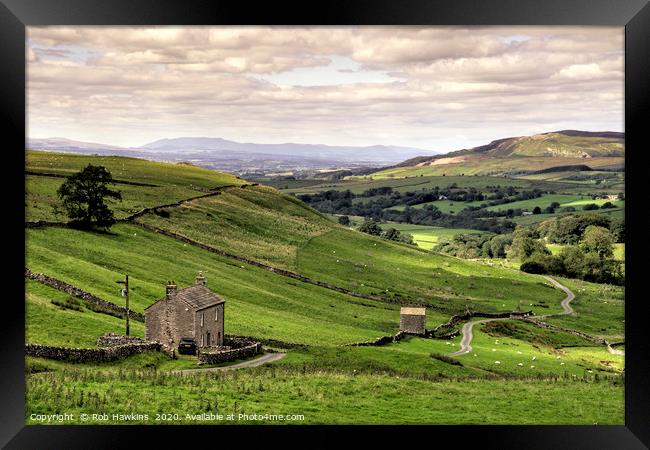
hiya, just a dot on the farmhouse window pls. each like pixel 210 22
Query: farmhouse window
pixel 216 314
pixel 202 315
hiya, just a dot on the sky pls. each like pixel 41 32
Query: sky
pixel 435 88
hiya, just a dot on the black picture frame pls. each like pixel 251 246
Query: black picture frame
pixel 15 15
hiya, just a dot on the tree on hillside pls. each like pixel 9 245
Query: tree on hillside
pixel 83 197
pixel 617 228
pixel 537 210
pixel 524 244
pixel 371 227
pixel 598 240
pixel 344 220
pixel 392 234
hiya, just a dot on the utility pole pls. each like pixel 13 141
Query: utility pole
pixel 125 293
pixel 127 303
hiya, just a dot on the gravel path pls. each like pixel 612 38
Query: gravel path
pixel 267 358
pixel 466 342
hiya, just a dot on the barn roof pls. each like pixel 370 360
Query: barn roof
pixel 196 296
pixel 413 311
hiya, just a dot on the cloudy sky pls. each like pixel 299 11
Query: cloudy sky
pixel 437 88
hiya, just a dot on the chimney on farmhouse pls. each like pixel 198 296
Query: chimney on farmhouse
pixel 200 279
pixel 170 289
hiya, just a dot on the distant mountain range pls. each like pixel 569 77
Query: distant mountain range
pixel 217 148
pixel 508 155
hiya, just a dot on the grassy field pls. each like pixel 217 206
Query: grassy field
pixel 42 203
pixel 322 397
pixel 49 324
pixel 256 222
pixel 446 206
pixel 426 237
pixel 536 218
pixel 619 250
pixel 600 309
pixel 542 202
pixel 130 170
pixel 378 266
pixel 609 180
pixel 171 182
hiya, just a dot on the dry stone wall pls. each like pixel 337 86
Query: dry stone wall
pixel 83 295
pixel 245 351
pixel 112 340
pixel 83 355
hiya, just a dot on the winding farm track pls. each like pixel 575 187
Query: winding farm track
pixel 264 359
pixel 466 342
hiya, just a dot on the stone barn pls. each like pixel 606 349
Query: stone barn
pixel 191 312
pixel 413 320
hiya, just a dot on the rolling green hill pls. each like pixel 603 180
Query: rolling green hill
pixel 519 155
pixel 288 274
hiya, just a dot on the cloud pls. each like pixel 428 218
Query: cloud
pixel 130 85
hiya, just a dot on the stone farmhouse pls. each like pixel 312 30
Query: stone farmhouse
pixel 191 312
pixel 413 320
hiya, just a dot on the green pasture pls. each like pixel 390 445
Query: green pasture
pixel 425 236
pixel 377 266
pixel 259 302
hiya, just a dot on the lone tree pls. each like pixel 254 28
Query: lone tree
pixel 83 195
pixel 370 226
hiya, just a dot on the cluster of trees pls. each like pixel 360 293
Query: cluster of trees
pixel 377 205
pixel 590 259
pixel 570 229
pixel 375 199
pixel 475 245
pixel 372 227
pixel 588 253
pixel 593 206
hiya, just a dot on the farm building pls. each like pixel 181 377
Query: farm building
pixel 413 320
pixel 192 312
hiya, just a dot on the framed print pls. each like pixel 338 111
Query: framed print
pixel 362 217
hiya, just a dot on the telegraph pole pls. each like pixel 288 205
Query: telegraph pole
pixel 127 303
pixel 125 293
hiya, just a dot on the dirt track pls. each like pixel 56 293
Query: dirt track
pixel 267 358
pixel 466 342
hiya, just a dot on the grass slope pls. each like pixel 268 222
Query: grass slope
pixel 259 302
pixel 377 266
pixel 49 324
pixel 172 182
pixel 258 222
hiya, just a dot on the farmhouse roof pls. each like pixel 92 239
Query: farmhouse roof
pixel 413 311
pixel 196 296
